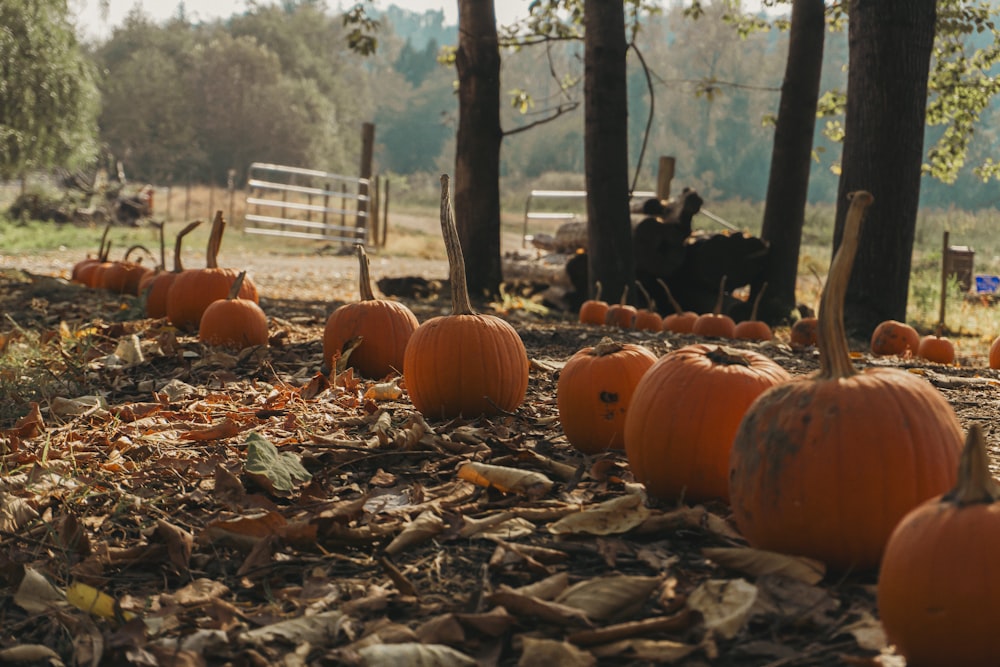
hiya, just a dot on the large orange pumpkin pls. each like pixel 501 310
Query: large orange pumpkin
pixel 233 322
pixel 938 587
pixel 193 289
pixel 384 326
pixel 826 466
pixel 158 286
pixel 466 363
pixel 684 414
pixel 594 392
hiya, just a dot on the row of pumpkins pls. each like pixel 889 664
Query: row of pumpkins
pixel 862 470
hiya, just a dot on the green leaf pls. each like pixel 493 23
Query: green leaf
pixel 277 471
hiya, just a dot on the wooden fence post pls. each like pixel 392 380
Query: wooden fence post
pixel 367 153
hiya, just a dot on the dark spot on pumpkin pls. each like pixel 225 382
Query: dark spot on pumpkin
pixel 608 397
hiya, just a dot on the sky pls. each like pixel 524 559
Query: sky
pixel 94 26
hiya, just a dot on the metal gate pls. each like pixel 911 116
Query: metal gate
pixel 307 204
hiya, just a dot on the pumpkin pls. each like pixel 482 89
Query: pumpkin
pixel 826 466
pixel 594 391
pixel 938 587
pixel 621 314
pixel 123 276
pixel 715 324
pixel 680 321
pixel 684 414
pixel 936 348
pixel 158 286
pixel 594 311
pixel 233 322
pixel 147 278
pixel 465 363
pixel 647 319
pixel 193 289
pixel 754 329
pixel 384 326
pixel 90 261
pixel 994 354
pixel 804 333
pixel 894 338
pixel 90 273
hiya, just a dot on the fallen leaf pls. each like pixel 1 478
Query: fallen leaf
pixel 868 632
pixel 414 654
pixel 757 562
pixel 725 604
pixel 539 652
pixel 508 480
pixel 227 428
pixel 612 517
pixel 426 526
pixel 277 472
pixel 607 597
pixel 89 599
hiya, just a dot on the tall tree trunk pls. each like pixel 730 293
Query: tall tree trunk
pixel 890 50
pixel 477 152
pixel 788 183
pixel 609 226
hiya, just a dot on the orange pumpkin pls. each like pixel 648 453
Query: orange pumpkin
pixel 684 414
pixel 621 314
pixel 937 348
pixel 715 324
pixel 994 355
pixel 465 363
pixel 90 273
pixel 233 322
pixel 594 311
pixel 158 285
pixel 193 289
pixel 754 329
pixel 384 326
pixel 938 587
pixel 90 261
pixel 647 319
pixel 895 338
pixel 826 466
pixel 680 321
pixel 594 392
pixel 123 276
pixel 804 333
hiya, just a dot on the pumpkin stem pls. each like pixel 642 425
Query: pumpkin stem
pixel 364 274
pixel 106 252
pixel 834 355
pixel 975 483
pixel 605 347
pixel 722 355
pixel 756 302
pixel 131 249
pixel 215 241
pixel 650 304
pixel 597 294
pixel 718 299
pixel 163 244
pixel 104 237
pixel 624 299
pixel 178 267
pixel 673 302
pixel 460 304
pixel 234 289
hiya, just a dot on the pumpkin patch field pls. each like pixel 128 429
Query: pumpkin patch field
pixel 165 500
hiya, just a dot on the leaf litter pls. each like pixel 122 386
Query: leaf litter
pixel 166 503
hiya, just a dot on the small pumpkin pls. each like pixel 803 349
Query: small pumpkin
pixel 158 285
pixel 804 333
pixel 384 326
pixel 892 337
pixel 89 261
pixel 123 276
pixel 594 311
pixel 684 414
pixel 936 348
pixel 754 329
pixel 647 319
pixel 938 587
pixel 826 466
pixel 193 289
pixel 994 354
pixel 621 314
pixel 90 273
pixel 680 321
pixel 715 324
pixel 594 392
pixel 465 363
pixel 233 322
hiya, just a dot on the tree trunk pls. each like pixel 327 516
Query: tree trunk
pixel 788 183
pixel 477 152
pixel 609 226
pixel 890 51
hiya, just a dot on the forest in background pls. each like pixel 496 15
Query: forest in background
pixel 185 102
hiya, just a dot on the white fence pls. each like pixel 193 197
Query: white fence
pixel 307 203
pixel 571 207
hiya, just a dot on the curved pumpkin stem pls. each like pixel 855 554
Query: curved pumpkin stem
pixel 178 267
pixel 756 302
pixel 364 274
pixel 834 355
pixel 624 299
pixel 718 299
pixel 460 303
pixel 234 290
pixel 101 253
pixel 597 294
pixel 673 302
pixel 650 304
pixel 215 241
pixel 131 249
pixel 975 483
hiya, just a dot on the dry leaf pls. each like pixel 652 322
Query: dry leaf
pixel 757 562
pixel 538 652
pixel 725 604
pixel 413 654
pixel 418 531
pixel 658 651
pixel 868 632
pixel 36 594
pixel 227 428
pixel 508 480
pixel 603 598
pixel 612 517
pixel 526 605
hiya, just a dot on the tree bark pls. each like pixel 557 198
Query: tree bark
pixel 477 152
pixel 788 183
pixel 890 50
pixel 609 226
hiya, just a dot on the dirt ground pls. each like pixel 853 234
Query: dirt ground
pixel 358 542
